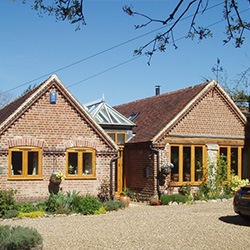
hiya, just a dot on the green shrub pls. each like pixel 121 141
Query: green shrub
pixel 73 199
pixel 41 205
pixel 66 203
pixel 167 198
pixel 102 210
pixel 58 203
pixel 73 202
pixel 34 214
pixel 7 201
pixel 10 214
pixel 185 190
pixel 16 238
pixel 88 205
pixel 203 192
pixel 26 207
pixel 112 205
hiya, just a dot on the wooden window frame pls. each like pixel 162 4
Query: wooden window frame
pixel 80 152
pixel 180 173
pixel 239 167
pixel 24 175
pixel 116 136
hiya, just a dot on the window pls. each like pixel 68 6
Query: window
pixel 233 156
pixel 118 137
pixel 25 162
pixel 188 163
pixel 80 163
pixel 133 116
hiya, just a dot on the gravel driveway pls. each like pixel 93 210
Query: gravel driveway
pixel 211 225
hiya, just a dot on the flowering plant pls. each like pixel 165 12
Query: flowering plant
pixel 59 175
pixel 235 183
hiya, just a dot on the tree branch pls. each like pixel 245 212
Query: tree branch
pixel 235 26
pixel 71 10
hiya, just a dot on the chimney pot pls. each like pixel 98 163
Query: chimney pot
pixel 157 89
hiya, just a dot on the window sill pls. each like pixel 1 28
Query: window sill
pixel 25 179
pixel 80 178
pixel 176 183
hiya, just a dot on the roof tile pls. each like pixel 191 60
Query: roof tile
pixel 154 113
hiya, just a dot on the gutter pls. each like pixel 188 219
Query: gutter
pixel 157 168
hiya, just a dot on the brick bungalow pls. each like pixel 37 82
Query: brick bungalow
pixel 190 128
pixel 47 130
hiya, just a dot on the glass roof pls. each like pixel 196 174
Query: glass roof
pixel 106 115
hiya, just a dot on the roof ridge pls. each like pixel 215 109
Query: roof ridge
pixel 164 94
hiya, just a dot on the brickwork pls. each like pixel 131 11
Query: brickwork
pixel 210 117
pixel 54 128
pixel 136 161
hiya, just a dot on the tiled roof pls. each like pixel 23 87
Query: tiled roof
pixel 152 114
pixel 8 110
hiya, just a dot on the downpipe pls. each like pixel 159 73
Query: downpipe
pixel 111 176
pixel 157 168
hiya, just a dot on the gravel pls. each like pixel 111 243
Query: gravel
pixel 210 225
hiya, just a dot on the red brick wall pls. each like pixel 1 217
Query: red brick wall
pixel 210 117
pixel 136 159
pixel 54 127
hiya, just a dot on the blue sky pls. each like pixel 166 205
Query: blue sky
pixel 34 48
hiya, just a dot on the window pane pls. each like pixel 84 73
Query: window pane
pixel 73 163
pixel 32 163
pixel 175 161
pixel 112 135
pixel 187 163
pixel 120 139
pixel 16 163
pixel 223 153
pixel 198 163
pixel 234 160
pixel 87 163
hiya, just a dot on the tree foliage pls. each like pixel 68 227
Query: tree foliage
pixel 236 25
pixel 5 98
pixel 71 10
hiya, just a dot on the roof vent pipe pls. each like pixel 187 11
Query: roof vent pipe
pixel 157 89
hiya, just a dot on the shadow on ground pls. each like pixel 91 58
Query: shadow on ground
pixel 235 219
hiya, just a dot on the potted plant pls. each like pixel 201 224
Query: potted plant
pixel 56 178
pixel 154 200
pixel 125 196
pixel 166 168
pixel 54 182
